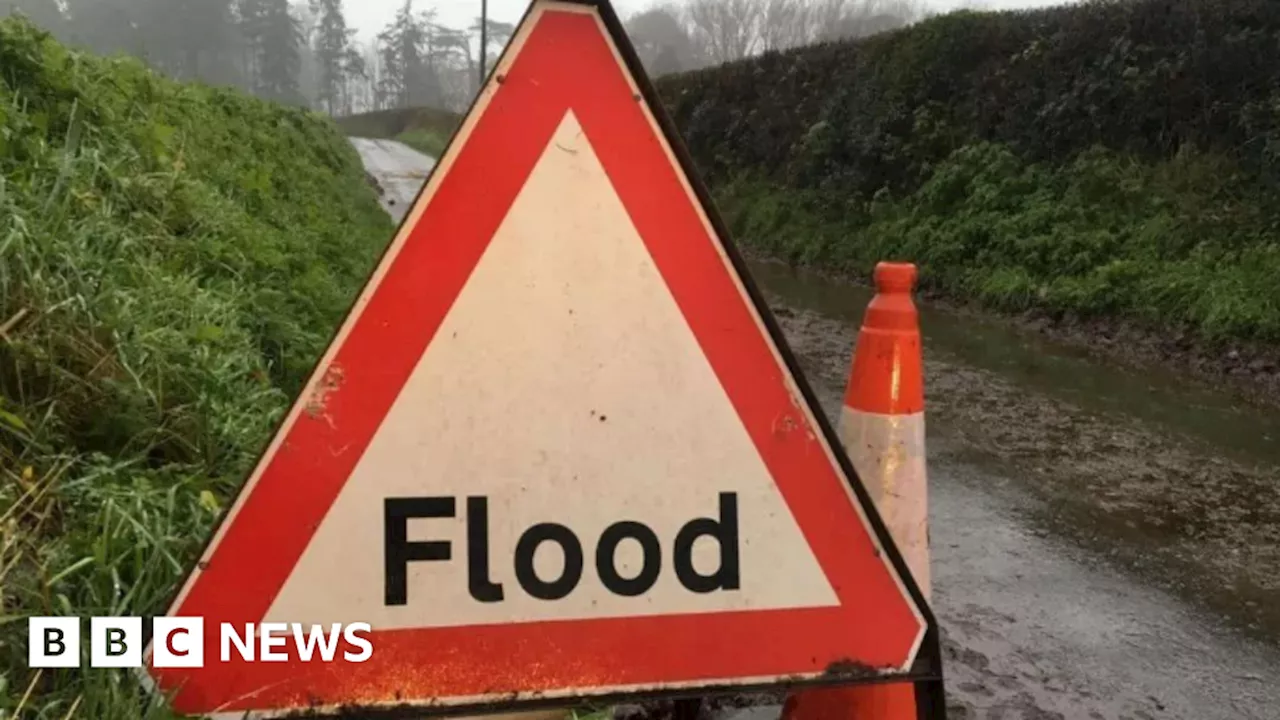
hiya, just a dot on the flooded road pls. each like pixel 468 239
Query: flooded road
pixel 1105 543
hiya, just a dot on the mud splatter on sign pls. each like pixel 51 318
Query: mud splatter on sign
pixel 318 402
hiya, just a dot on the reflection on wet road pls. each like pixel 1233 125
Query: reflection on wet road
pixel 399 170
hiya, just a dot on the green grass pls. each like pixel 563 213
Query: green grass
pixel 424 141
pixel 1189 243
pixel 423 129
pixel 172 260
pixel 415 123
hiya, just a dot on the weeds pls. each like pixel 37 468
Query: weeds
pixel 172 260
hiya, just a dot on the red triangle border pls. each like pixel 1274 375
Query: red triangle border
pixel 567 62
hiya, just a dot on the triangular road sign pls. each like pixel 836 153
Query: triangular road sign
pixel 557 449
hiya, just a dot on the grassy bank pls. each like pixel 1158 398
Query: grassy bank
pixel 423 129
pixel 1175 243
pixel 1106 159
pixel 172 260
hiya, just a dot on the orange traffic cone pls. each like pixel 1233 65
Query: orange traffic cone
pixel 882 429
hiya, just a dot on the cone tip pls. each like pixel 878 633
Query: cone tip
pixel 895 277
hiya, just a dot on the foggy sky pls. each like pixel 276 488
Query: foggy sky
pixel 370 16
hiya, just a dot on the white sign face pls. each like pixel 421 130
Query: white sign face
pixel 582 402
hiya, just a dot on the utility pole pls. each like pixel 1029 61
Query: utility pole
pixel 484 42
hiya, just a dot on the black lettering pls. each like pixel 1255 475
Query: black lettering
pixel 52 637
pixel 115 642
pixel 725 531
pixel 398 552
pixel 569 545
pixel 478 582
pixel 606 558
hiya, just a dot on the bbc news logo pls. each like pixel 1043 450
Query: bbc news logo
pixel 179 642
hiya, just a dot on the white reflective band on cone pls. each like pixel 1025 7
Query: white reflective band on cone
pixel 887 451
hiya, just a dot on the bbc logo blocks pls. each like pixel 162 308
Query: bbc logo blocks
pixel 54 642
pixel 115 642
pixel 179 642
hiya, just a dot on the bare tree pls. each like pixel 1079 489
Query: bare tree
pixel 720 31
pixel 728 29
pixel 662 40
pixel 459 76
pixel 369 50
pixel 841 19
pixel 496 35
pixel 785 24
pixel 825 15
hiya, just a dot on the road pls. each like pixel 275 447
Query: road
pixel 398 169
pixel 1045 472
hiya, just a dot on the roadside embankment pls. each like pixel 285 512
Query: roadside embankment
pixel 426 130
pixel 173 259
pixel 1107 170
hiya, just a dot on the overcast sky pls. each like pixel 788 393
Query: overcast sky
pixel 370 16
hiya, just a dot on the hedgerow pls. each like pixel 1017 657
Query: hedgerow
pixel 1102 158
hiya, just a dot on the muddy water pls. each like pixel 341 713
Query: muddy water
pixel 1105 542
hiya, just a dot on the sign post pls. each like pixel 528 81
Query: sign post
pixel 558 450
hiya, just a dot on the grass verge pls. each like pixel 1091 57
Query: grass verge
pixel 1189 243
pixel 426 142
pixel 173 258
pixel 409 125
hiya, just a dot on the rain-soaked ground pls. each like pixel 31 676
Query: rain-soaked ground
pixel 1106 543
pixel 1163 476
pixel 397 171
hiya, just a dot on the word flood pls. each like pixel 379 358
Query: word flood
pixel 399 551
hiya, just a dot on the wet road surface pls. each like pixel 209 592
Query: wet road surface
pixel 1174 482
pixel 398 169
pixel 1036 626
pixel 1103 543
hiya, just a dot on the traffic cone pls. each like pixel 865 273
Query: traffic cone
pixel 882 429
